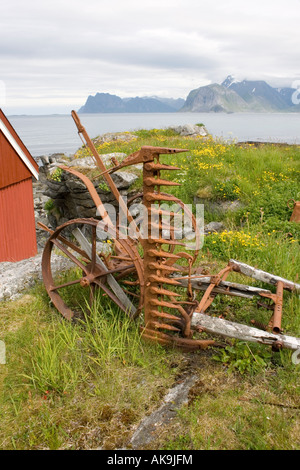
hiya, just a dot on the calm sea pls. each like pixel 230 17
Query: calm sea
pixel 45 135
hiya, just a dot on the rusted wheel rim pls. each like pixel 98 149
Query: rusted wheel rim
pixel 125 266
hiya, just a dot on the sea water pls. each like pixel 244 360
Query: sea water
pixel 46 135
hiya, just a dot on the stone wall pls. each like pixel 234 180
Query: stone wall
pixel 60 196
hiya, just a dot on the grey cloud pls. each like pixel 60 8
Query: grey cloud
pixel 70 48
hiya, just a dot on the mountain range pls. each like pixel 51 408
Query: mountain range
pixel 229 96
pixel 107 103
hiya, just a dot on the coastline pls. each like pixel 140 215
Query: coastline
pixel 47 135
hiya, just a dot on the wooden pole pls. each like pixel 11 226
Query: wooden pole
pixel 224 287
pixel 230 329
pixel 263 276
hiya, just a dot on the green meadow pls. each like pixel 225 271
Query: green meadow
pixel 87 385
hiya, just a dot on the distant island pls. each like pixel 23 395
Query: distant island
pixel 228 97
pixel 107 103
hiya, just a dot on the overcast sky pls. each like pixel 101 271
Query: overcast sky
pixel 53 54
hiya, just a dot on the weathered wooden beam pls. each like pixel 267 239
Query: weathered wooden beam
pixel 230 329
pixel 263 276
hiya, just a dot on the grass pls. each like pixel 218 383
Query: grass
pixel 88 384
pixel 232 413
pixel 64 383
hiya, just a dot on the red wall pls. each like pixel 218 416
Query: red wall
pixel 17 223
pixel 12 168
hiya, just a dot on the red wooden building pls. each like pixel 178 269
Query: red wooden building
pixel 17 223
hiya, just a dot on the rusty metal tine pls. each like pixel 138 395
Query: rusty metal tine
pixel 152 166
pixel 188 344
pixel 169 316
pixel 161 291
pixel 163 280
pixel 163 267
pixel 163 150
pixel 151 181
pixel 151 197
pixel 162 326
pixel 162 254
pixel 163 303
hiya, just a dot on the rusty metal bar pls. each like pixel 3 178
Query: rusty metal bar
pixel 106 175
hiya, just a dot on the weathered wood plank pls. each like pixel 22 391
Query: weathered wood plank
pixel 224 287
pixel 263 276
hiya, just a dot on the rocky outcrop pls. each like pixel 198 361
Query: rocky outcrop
pixel 219 207
pixel 17 277
pixel 191 130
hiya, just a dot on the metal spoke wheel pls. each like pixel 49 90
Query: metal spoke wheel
pixel 114 267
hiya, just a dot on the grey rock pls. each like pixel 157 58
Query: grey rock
pixel 44 159
pixel 89 162
pixel 56 186
pixel 214 227
pixel 74 184
pixel 87 203
pixel 218 207
pixel 57 157
pixel 15 277
pixel 124 179
pixel 190 130
pixel 83 212
pixel 106 157
pixel 86 162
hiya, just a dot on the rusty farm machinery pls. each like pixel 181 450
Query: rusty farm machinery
pixel 147 266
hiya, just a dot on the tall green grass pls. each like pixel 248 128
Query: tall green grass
pixel 88 384
pixel 60 376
